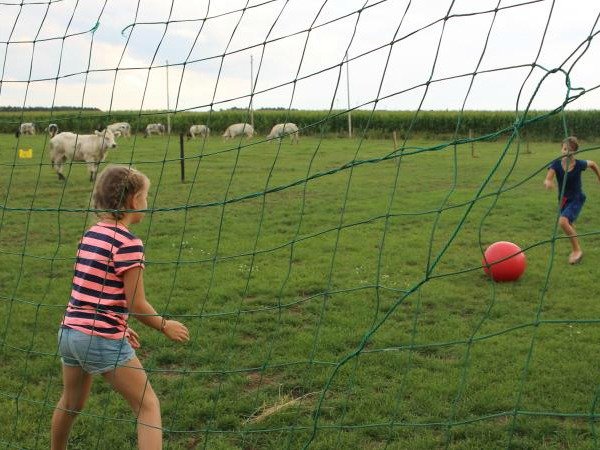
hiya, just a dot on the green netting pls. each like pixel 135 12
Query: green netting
pixel 333 288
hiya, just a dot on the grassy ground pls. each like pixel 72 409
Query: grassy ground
pixel 344 308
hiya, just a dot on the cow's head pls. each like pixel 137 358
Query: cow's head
pixel 52 129
pixel 108 138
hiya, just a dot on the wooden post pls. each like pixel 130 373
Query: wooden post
pixel 168 104
pixel 472 143
pixel 395 140
pixel 251 90
pixel 182 157
pixel 348 91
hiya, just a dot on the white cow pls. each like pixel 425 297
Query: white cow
pixel 120 129
pixel 52 130
pixel 154 128
pixel 26 128
pixel 91 148
pixel 280 130
pixel 239 129
pixel 198 130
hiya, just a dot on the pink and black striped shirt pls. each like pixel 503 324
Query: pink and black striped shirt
pixel 98 305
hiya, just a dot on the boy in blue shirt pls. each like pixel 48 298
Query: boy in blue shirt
pixel 572 199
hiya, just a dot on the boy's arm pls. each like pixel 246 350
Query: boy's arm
pixel 592 165
pixel 549 180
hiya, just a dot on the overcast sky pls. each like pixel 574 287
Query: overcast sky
pixel 402 54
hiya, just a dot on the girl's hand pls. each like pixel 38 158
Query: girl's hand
pixel 133 338
pixel 176 331
pixel 548 184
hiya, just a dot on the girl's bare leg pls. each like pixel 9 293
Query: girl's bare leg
pixel 132 383
pixel 76 389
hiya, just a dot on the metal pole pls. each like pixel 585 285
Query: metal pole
pixel 168 103
pixel 348 90
pixel 251 90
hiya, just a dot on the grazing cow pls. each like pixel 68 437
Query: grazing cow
pixel 52 130
pixel 91 148
pixel 198 130
pixel 280 130
pixel 25 128
pixel 120 129
pixel 239 129
pixel 154 128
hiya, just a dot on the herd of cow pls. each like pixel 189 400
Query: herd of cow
pixel 92 148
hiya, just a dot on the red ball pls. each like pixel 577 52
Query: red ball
pixel 511 265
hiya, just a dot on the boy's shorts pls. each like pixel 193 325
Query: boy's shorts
pixel 94 354
pixel 572 207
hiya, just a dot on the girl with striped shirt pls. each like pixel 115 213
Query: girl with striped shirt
pixel 108 285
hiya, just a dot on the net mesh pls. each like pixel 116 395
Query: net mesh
pixel 333 288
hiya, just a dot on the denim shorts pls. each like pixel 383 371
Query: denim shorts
pixel 94 354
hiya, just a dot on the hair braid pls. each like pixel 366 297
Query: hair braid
pixel 114 189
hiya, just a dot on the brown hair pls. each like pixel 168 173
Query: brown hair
pixel 572 143
pixel 115 187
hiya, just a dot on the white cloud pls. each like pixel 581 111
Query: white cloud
pixel 516 37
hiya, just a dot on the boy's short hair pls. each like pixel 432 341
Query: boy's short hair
pixel 572 143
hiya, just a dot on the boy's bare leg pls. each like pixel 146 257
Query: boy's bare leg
pixel 569 229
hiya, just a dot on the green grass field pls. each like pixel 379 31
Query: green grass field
pixel 334 294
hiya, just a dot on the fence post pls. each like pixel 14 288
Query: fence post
pixel 182 157
pixel 395 140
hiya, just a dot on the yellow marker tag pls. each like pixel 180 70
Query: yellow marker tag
pixel 25 154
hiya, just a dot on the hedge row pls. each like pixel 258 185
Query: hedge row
pixel 380 124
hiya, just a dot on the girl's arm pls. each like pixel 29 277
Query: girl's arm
pixel 549 180
pixel 142 310
pixel 592 165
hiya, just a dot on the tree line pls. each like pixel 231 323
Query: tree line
pixel 535 125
